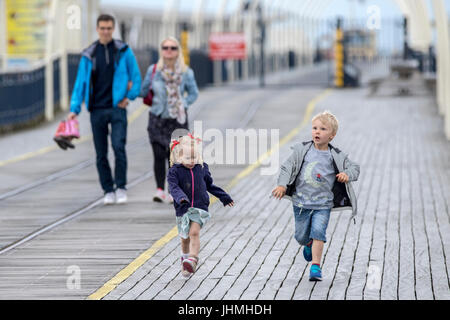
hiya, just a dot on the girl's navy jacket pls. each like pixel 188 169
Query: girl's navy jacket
pixel 190 187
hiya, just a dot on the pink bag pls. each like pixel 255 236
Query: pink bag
pixel 72 129
pixel 66 131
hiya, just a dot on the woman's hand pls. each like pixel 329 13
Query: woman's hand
pixel 279 192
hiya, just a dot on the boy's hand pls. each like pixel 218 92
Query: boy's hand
pixel 279 192
pixel 342 177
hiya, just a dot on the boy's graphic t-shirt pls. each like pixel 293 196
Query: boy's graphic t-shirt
pixel 313 187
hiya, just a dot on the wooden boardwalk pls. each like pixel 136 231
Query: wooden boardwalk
pixel 398 248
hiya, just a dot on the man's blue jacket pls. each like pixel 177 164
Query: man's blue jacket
pixel 125 69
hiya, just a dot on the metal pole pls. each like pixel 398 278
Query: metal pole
pixel 235 25
pixel 184 40
pixel 262 30
pixel 405 38
pixel 3 36
pixel 443 63
pixel 218 27
pixel 169 19
pixel 197 23
pixel 49 103
pixel 62 48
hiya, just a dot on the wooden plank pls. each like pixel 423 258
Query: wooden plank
pixel 255 257
pixel 406 288
pixel 389 281
pixel 280 272
pixel 435 236
pixel 372 286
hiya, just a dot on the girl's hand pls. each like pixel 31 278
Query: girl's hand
pixel 279 192
pixel 342 177
pixel 231 204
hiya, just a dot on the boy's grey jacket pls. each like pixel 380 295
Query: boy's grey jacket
pixel 344 196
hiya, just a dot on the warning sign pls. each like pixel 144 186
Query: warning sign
pixel 227 46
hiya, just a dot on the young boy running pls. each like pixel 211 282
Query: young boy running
pixel 317 177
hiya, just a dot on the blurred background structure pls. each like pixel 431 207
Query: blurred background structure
pixel 223 41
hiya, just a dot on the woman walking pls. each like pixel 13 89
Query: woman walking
pixel 170 79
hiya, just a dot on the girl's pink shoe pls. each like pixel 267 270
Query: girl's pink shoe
pixel 190 264
pixel 61 130
pixel 159 196
pixel 72 129
pixel 66 131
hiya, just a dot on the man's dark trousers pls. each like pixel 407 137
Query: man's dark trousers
pixel 100 121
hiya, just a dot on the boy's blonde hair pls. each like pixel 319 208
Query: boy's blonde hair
pixel 328 118
pixel 186 143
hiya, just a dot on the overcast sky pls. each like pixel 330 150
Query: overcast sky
pixel 346 8
pixel 337 7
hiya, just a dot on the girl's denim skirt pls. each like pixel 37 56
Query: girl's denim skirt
pixel 193 214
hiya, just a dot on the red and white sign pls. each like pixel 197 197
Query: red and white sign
pixel 227 46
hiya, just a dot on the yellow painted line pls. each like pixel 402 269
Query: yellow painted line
pixel 146 255
pixel 82 139
pixel 137 113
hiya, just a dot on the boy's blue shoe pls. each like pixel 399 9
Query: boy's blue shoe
pixel 307 252
pixel 315 273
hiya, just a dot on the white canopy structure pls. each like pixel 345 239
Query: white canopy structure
pixel 293 27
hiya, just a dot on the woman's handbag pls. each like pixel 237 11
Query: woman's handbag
pixel 148 100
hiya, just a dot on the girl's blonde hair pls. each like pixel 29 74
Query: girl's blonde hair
pixel 187 143
pixel 180 59
pixel 328 118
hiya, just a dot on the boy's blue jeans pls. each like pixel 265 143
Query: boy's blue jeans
pixel 310 224
pixel 100 121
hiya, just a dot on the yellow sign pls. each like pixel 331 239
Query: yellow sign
pixel 26 24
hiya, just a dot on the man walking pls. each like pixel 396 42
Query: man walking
pixel 108 77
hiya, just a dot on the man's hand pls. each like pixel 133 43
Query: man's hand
pixel 124 103
pixel 342 177
pixel 231 204
pixel 279 192
pixel 71 116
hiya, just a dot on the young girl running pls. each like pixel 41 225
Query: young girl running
pixel 189 180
